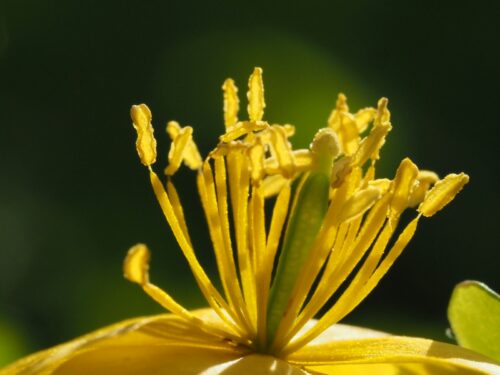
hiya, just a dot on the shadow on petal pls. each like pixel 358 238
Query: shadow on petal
pixel 259 364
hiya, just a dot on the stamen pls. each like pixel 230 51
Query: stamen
pixel 424 181
pixel 177 206
pixel 282 151
pixel 403 187
pixel 231 103
pixel 345 125
pixel 341 221
pixel 146 142
pixel 364 117
pixel 342 263
pixel 135 269
pixel 216 215
pixel 211 294
pixel 442 193
pixel 255 96
pixel 241 129
pixel 352 297
pixel 239 182
pixel 256 157
pixel 182 148
pixel 359 203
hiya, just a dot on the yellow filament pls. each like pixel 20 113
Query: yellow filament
pixel 259 248
pixel 255 96
pixel 231 103
pixel 179 212
pixel 211 294
pixel 280 212
pixel 239 180
pixel 442 193
pixel 233 281
pixel 343 264
pixel 146 142
pixel 352 297
pixel 256 157
pixel 312 267
pixel 136 267
pixel 215 210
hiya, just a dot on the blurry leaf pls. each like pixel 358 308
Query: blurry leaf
pixel 474 315
pixel 12 342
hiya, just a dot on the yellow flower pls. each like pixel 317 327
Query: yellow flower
pixel 335 239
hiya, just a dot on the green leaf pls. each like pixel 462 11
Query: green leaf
pixel 474 315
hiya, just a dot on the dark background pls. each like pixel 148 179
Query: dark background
pixel 74 197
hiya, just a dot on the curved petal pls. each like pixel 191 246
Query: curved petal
pixel 147 332
pixel 171 359
pixel 387 369
pixel 392 350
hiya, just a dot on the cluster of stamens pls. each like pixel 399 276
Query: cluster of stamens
pixel 253 166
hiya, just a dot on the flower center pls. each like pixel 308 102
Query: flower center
pixel 338 227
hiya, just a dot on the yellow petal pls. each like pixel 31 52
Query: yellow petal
pixel 393 350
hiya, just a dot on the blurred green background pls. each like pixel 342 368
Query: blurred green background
pixel 74 197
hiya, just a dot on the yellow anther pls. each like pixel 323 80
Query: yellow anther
pixel 146 142
pixel 382 184
pixel 182 148
pixel 242 128
pixel 255 96
pixel 359 203
pixel 231 103
pixel 136 264
pixel 345 125
pixel 341 168
pixel 341 104
pixel 289 130
pixel 370 146
pixel 403 187
pixel 442 193
pixel 424 181
pixel 383 115
pixel 282 150
pixel 364 117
